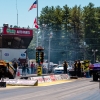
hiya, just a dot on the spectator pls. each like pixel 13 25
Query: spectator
pixel 32 68
pixel 44 69
pixel 23 69
pixel 27 67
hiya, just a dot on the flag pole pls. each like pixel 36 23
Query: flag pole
pixel 17 12
pixel 37 22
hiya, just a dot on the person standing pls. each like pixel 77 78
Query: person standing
pixel 65 65
pixel 75 68
pixel 32 67
pixel 79 69
pixel 24 69
pixel 27 67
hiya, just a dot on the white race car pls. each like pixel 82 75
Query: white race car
pixel 60 70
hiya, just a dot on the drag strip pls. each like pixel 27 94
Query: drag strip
pixel 40 84
pixel 81 89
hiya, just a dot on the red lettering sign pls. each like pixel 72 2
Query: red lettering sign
pixel 17 31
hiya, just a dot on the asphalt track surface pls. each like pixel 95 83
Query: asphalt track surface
pixel 79 89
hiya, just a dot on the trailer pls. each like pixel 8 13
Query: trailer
pixel 95 71
pixel 7 70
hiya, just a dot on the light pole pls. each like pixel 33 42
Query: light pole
pixel 50 36
pixel 94 51
pixel 84 46
pixel 84 43
pixel 17 13
pixel 43 28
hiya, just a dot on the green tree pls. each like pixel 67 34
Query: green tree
pixel 75 29
pixel 90 27
pixel 71 27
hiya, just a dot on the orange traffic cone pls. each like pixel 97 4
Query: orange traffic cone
pixel 18 73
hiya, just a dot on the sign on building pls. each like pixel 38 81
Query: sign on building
pixel 23 55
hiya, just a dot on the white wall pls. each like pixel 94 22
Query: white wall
pixel 9 54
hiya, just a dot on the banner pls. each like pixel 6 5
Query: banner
pixel 17 31
pixel 23 55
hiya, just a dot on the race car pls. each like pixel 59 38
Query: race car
pixel 7 70
pixel 60 70
pixel 95 71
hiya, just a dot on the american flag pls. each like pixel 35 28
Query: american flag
pixel 34 5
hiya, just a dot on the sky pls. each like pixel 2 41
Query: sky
pixel 8 12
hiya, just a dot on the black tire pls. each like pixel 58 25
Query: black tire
pixel 95 77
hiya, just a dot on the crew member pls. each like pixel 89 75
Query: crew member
pixel 65 65
pixel 75 68
pixel 79 68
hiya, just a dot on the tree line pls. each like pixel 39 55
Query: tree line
pixel 75 32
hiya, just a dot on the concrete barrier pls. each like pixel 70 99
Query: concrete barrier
pixel 21 82
pixel 50 78
pixel 46 78
pixel 34 80
pixel 41 79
